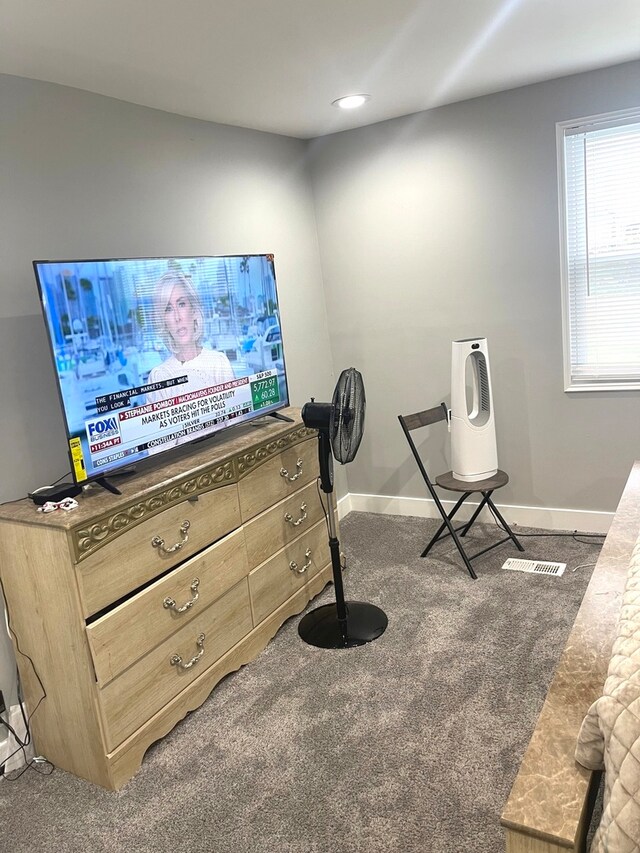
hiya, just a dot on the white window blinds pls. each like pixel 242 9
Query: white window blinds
pixel 601 281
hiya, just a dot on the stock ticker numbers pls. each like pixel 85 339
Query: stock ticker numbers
pixel 264 392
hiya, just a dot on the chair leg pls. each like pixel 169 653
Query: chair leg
pixel 453 532
pixel 443 526
pixel 462 552
pixel 504 524
pixel 447 523
pixel 486 496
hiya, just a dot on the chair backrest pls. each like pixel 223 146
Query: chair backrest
pixel 416 421
pixel 425 418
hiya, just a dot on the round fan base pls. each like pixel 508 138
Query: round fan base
pixel 364 623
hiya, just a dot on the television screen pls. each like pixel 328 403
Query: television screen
pixel 152 353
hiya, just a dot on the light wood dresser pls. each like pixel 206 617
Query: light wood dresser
pixel 132 607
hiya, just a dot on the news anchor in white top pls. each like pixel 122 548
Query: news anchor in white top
pixel 180 321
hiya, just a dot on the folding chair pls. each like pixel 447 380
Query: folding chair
pixel 484 487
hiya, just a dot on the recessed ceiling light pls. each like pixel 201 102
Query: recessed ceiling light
pixel 350 102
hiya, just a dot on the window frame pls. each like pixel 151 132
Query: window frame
pixel 600 121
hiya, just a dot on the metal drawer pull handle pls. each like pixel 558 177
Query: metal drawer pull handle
pixel 294 566
pixel 288 517
pixel 285 473
pixel 176 660
pixel 170 604
pixel 158 543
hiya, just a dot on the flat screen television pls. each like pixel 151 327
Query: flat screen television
pixel 152 353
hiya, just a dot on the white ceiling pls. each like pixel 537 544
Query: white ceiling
pixel 276 65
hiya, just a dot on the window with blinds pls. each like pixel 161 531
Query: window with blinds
pixel 599 161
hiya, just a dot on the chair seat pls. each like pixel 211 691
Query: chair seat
pixel 448 481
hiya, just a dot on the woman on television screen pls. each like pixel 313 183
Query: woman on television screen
pixel 180 323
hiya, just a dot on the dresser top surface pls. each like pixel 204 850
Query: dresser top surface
pixel 153 475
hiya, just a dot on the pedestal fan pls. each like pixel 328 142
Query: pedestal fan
pixel 340 425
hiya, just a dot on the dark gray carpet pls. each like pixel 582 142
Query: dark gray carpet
pixel 409 744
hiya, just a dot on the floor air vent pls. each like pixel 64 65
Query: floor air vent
pixel 535 567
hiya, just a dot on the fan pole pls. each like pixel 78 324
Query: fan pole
pixel 334 548
pixel 326 484
pixel 342 625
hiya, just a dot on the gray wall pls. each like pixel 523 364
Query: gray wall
pixel 444 225
pixel 86 176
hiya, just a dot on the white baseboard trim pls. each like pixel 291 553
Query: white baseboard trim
pixel 547 518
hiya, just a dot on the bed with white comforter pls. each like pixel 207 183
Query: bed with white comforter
pixel 609 739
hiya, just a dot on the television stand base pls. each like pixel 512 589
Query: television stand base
pixel 102 481
pixel 280 417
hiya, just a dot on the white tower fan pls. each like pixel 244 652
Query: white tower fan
pixel 474 453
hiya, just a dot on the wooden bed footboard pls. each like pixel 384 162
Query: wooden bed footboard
pixel 551 802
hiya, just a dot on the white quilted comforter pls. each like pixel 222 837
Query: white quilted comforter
pixel 609 739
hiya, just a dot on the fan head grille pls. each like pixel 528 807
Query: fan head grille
pixel 347 415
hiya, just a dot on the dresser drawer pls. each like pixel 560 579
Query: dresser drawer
pixel 273 529
pixel 278 477
pixel 131 560
pixel 131 699
pixel 276 579
pixel 130 630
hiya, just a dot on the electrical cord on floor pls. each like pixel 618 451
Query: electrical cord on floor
pixel 38 764
pixel 34 763
pixel 519 534
pixel 573 535
pixel 583 566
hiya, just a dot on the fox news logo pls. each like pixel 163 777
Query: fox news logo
pixel 103 428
